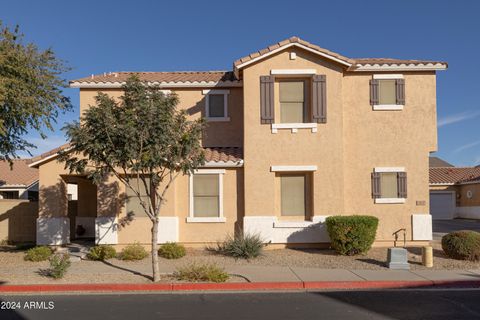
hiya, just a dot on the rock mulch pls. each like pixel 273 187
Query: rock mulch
pixel 14 270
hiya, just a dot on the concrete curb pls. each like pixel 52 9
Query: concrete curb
pixel 233 286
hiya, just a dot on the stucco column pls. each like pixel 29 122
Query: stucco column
pixel 53 224
pixel 110 198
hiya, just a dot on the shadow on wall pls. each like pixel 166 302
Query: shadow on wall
pixel 18 220
pixel 110 202
pixel 314 233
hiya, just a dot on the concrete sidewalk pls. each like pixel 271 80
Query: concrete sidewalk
pixel 269 274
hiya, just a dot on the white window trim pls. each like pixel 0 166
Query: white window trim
pixel 293 71
pixel 389 169
pixel 292 168
pixel 388 76
pixel 388 107
pixel 220 219
pixel 294 126
pixel 390 200
pixel 225 93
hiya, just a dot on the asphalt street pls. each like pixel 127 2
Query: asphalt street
pixel 386 304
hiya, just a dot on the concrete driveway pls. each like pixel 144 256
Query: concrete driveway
pixel 442 227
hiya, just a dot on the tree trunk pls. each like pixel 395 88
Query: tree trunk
pixel 156 271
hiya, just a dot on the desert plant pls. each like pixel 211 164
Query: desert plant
pixel 102 252
pixel 462 245
pixel 40 253
pixel 246 246
pixel 59 264
pixel 201 272
pixel 351 235
pixel 133 252
pixel 172 250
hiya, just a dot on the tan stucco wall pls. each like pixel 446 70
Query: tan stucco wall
pixel 388 139
pixel 347 148
pixel 284 148
pixel 18 220
pixel 217 134
pixel 177 205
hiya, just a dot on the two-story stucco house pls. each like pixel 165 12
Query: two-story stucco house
pixel 295 133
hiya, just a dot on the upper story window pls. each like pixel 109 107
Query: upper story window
pixel 292 102
pixel 301 101
pixel 216 105
pixel 387 92
pixel 389 185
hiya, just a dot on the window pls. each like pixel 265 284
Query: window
pixel 387 92
pixel 133 204
pixel 206 196
pixel 292 101
pixel 9 195
pixel 216 105
pixel 389 185
pixel 295 194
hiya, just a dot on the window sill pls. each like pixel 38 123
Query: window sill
pixel 388 107
pixel 390 200
pixel 222 119
pixel 294 126
pixel 206 219
pixel 293 224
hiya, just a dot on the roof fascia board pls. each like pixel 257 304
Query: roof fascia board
pixel 401 67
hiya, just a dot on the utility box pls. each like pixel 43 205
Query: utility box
pixel 398 259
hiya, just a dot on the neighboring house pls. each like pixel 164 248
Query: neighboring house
pixel 437 162
pixel 295 133
pixel 455 192
pixel 18 181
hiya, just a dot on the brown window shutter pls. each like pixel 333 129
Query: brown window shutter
pixel 266 99
pixel 402 184
pixel 374 92
pixel 400 91
pixel 376 187
pixel 319 98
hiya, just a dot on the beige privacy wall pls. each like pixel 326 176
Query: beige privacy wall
pixel 17 220
pixel 346 149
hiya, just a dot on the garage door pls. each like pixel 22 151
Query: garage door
pixel 442 205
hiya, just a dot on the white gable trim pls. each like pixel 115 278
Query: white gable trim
pixel 291 45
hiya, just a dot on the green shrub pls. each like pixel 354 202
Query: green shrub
pixel 59 264
pixel 102 252
pixel 201 272
pixel 246 246
pixel 462 245
pixel 133 252
pixel 172 250
pixel 351 235
pixel 40 253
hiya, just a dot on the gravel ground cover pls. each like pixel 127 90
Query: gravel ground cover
pixel 13 269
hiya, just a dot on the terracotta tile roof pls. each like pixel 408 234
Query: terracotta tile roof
pixel 19 175
pixel 223 154
pixel 353 62
pixel 214 154
pixel 283 43
pixel 390 61
pixel 162 77
pixel 437 162
pixel 448 175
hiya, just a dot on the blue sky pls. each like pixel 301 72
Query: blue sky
pixel 102 36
